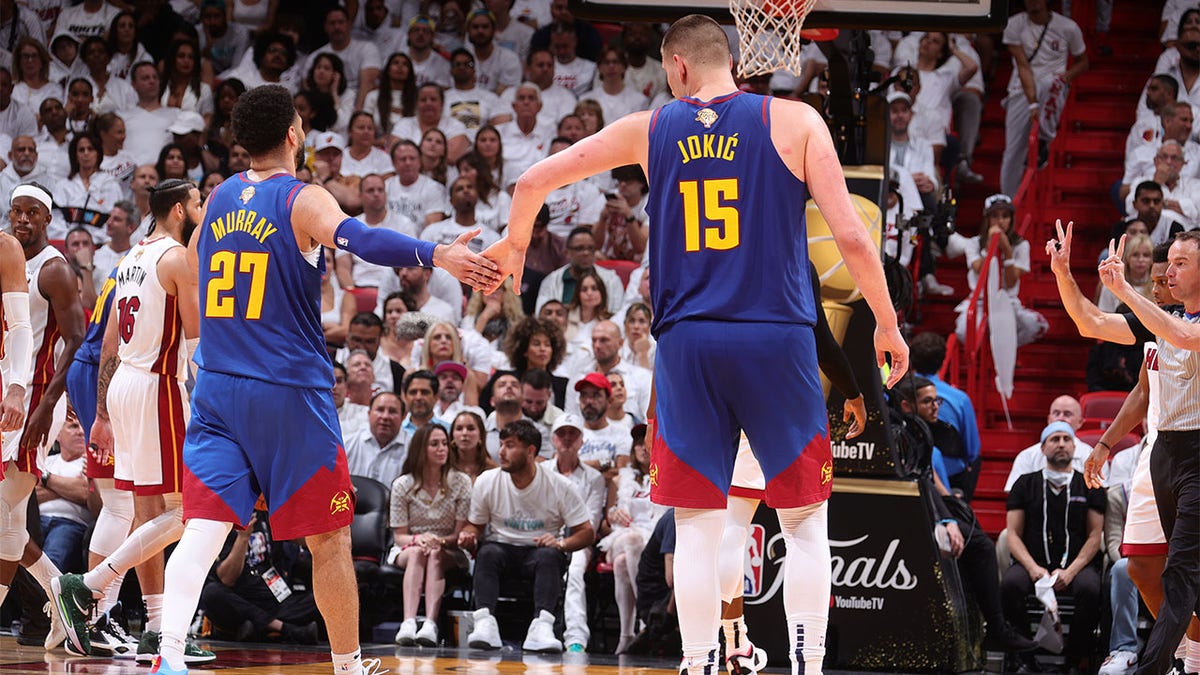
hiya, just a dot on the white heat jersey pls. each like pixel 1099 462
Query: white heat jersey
pixel 47 340
pixel 148 325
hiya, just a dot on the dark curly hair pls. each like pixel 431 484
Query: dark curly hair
pixel 262 117
pixel 519 336
pixel 264 42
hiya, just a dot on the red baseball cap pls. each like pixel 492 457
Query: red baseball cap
pixel 597 380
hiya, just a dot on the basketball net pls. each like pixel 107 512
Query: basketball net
pixel 769 34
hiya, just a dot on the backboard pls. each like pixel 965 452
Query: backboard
pixel 947 15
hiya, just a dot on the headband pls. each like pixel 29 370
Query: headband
pixel 31 190
pixel 1057 427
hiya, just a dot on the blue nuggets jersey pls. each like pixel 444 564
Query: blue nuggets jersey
pixel 727 234
pixel 260 298
pixel 89 350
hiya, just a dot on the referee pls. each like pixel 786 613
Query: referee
pixel 1175 465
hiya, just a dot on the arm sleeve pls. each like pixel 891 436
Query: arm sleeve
pixel 382 246
pixel 18 342
pixel 832 359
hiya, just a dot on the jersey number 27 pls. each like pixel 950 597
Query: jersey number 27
pixel 707 198
pixel 226 266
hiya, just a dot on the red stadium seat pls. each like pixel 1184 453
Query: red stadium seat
pixel 1100 407
pixel 623 268
pixel 365 298
pixel 1090 436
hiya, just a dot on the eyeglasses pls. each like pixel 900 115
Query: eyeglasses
pixel 938 401
pixel 463 64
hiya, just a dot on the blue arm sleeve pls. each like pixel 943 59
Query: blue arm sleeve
pixel 382 246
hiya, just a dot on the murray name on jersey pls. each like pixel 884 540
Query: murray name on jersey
pixel 242 220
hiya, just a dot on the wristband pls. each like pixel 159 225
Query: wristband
pixel 945 521
pixel 1106 445
pixel 382 246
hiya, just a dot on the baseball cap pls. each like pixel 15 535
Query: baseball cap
pixel 187 122
pixel 1056 428
pixel 450 366
pixel 596 380
pixel 899 96
pixel 566 420
pixel 329 139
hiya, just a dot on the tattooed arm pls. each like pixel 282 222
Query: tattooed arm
pixel 109 360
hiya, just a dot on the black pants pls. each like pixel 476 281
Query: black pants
pixel 546 566
pixel 228 607
pixel 1175 472
pixel 1016 587
pixel 977 565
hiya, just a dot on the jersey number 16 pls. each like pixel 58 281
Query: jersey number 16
pixel 705 197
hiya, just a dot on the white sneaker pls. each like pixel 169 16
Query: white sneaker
pixel 540 637
pixel 486 633
pixel 57 634
pixel 428 635
pixel 406 636
pixel 1119 663
pixel 930 285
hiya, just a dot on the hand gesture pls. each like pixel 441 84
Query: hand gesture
pixel 1093 467
pixel 1112 269
pixel 956 539
pixel 12 409
pixel 101 439
pixel 470 268
pixel 888 341
pixel 1059 249
pixel 855 409
pixel 619 516
pixel 1065 577
pixel 466 540
pixel 509 261
pixel 37 429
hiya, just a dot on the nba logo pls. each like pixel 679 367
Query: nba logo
pixel 753 581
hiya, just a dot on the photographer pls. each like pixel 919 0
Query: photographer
pixel 906 225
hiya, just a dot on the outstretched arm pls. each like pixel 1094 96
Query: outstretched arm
pixel 1092 322
pixel 622 142
pixel 804 144
pixel 1179 333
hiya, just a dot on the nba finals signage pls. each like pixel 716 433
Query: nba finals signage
pixel 886 571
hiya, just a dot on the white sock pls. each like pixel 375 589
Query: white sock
pixel 186 570
pixel 154 610
pixel 1191 661
pixel 151 538
pixel 348 664
pixel 697 590
pixel 43 570
pixel 112 593
pixel 806 584
pixel 736 637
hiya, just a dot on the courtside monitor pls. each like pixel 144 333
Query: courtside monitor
pixel 945 15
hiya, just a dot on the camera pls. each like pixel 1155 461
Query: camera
pixel 938 224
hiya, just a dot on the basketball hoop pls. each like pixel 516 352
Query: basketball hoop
pixel 769 34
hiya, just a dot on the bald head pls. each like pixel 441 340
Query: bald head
pixel 1066 409
pixel 699 40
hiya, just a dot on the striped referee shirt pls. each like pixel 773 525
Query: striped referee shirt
pixel 1179 385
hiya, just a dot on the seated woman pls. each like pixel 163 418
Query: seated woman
pixel 639 347
pixel 492 315
pixel 589 305
pixel 1139 254
pixel 337 306
pixel 469 445
pixel 429 506
pixel 537 344
pixel 1010 325
pixel 616 412
pixel 631 517
pixel 443 342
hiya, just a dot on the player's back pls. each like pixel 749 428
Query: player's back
pixel 93 339
pixel 149 329
pixel 727 234
pixel 260 297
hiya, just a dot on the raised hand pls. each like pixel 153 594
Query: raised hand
pixel 1112 268
pixel 1059 249
pixel 470 268
pixel 509 261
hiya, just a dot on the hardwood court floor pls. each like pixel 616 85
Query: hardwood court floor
pixel 244 659
pixel 251 659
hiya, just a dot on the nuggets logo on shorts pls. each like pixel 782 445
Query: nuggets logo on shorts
pixel 826 472
pixel 654 474
pixel 340 502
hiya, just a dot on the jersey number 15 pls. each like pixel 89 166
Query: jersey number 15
pixel 705 198
pixel 226 266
